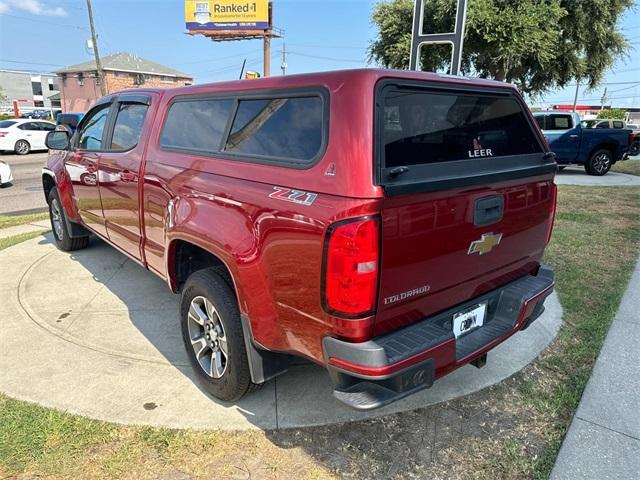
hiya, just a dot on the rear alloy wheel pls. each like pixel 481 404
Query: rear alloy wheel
pixel 212 334
pixel 22 147
pixel 599 163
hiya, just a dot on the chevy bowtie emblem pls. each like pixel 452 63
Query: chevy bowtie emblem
pixel 485 244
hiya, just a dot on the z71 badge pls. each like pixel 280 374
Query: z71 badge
pixel 293 196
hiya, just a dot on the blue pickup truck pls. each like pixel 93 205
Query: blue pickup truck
pixel 573 143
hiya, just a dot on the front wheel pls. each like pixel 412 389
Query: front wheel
pixel 212 334
pixel 63 240
pixel 22 147
pixel 599 163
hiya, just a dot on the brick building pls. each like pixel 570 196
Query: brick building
pixel 79 86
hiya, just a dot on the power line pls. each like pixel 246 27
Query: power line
pixel 43 21
pixel 32 63
pixel 327 46
pixel 326 58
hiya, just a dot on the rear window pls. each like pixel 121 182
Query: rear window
pixel 422 126
pixel 6 123
pixel 71 120
pixel 554 122
pixel 618 125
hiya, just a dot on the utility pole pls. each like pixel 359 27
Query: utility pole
pixel 267 56
pixel 604 99
pixel 284 65
pixel 575 98
pixel 94 39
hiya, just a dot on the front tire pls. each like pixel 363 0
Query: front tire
pixel 63 240
pixel 599 163
pixel 22 147
pixel 212 334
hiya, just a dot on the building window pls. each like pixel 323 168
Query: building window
pixel 51 87
pixel 36 88
pixel 121 74
pixel 148 77
pixel 166 78
pixel 38 103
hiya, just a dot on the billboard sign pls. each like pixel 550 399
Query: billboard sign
pixel 226 14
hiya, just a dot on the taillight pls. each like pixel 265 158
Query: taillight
pixel 351 267
pixel 552 214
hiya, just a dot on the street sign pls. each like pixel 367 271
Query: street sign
pixel 226 14
pixel 455 38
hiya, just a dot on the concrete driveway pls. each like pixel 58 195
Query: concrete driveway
pixel 93 333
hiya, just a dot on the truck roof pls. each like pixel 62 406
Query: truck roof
pixel 371 75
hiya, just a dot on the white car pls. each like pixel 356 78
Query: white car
pixel 5 174
pixel 24 135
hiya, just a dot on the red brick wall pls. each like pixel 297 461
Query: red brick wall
pixel 116 83
pixel 79 98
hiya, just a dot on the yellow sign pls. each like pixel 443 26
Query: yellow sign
pixel 226 14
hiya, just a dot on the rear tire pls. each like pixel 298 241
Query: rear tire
pixel 635 148
pixel 61 235
pixel 22 147
pixel 599 163
pixel 212 334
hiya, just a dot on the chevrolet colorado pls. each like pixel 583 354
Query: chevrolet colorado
pixel 388 225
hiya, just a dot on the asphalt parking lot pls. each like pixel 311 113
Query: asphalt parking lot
pixel 25 193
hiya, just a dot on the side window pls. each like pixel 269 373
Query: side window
pixel 288 128
pixel 128 126
pixel 196 125
pixel 604 124
pixel 47 127
pixel 90 137
pixel 618 124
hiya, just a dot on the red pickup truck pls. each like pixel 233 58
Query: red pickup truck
pixel 388 225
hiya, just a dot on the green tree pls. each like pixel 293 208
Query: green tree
pixel 613 113
pixel 536 44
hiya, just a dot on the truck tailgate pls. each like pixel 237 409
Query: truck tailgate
pixel 428 260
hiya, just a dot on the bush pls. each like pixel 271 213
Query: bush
pixel 613 113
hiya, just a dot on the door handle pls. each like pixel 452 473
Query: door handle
pixel 488 210
pixel 127 176
pixel 574 137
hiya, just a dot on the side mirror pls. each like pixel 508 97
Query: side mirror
pixel 57 140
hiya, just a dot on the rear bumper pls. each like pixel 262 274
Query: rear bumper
pixel 374 373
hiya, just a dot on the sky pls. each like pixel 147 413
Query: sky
pixel 44 35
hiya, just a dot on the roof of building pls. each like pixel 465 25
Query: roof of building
pixel 126 62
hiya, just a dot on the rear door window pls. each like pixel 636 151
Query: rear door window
pixel 281 128
pixel 618 124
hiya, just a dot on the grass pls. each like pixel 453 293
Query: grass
pixel 631 167
pixel 509 431
pixel 7 221
pixel 22 237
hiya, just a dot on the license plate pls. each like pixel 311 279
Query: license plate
pixel 470 319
